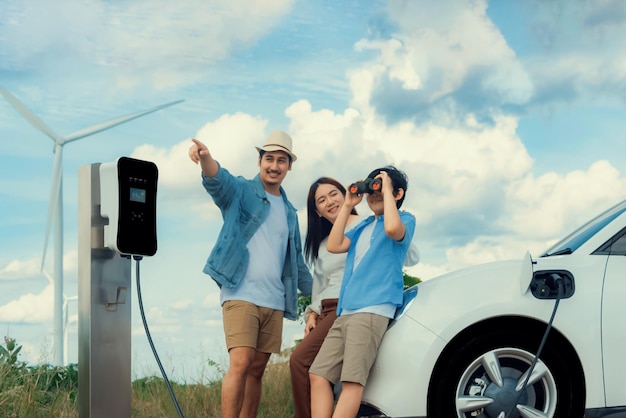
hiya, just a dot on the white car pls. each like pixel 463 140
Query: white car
pixel 464 342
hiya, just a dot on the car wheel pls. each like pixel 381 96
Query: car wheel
pixel 482 379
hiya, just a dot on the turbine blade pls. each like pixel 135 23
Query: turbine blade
pixel 48 276
pixel 114 122
pixel 55 195
pixel 28 115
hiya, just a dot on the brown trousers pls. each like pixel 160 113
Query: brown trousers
pixel 303 356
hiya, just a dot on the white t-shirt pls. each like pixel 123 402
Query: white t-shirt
pixel 262 284
pixel 328 273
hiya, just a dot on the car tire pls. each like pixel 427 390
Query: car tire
pixel 478 379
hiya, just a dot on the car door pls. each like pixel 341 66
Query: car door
pixel 614 320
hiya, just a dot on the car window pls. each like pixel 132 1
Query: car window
pixel 616 245
pixel 582 234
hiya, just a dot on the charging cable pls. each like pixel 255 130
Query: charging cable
pixel 138 258
pixel 558 280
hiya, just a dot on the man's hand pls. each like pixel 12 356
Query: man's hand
pixel 199 153
pixel 197 150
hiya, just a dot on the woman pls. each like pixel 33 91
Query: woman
pixel 325 198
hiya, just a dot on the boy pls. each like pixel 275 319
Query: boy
pixel 370 293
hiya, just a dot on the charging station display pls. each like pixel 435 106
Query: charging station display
pixel 128 189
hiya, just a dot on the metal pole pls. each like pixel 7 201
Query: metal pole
pixel 66 326
pixel 58 275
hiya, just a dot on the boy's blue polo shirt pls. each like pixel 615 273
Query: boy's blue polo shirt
pixel 378 278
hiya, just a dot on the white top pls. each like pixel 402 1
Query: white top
pixel 328 273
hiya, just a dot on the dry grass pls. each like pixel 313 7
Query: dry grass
pixel 49 392
pixel 151 399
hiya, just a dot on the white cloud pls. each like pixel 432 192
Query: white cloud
pixel 29 307
pixel 18 269
pixel 395 57
pixel 425 271
pixel 183 304
pixel 159 43
pixel 579 77
pixel 449 168
pixel 544 206
pixel 537 212
pixel 231 140
pixel 443 54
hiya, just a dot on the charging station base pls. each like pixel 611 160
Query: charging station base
pixel 104 311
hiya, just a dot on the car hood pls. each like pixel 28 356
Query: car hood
pixel 481 291
pixel 508 274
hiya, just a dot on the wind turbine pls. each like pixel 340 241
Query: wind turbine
pixel 55 205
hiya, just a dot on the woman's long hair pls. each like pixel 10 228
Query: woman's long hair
pixel 318 227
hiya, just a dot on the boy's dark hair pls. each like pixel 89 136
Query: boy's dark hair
pixel 398 179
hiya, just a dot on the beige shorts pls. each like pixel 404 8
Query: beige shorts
pixel 248 325
pixel 350 348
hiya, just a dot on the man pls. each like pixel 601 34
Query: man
pixel 257 262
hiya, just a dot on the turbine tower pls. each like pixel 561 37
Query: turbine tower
pixel 55 205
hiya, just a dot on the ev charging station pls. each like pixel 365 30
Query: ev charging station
pixel 117 222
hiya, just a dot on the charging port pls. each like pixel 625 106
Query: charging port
pixel 545 284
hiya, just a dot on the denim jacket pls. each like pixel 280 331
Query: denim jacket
pixel 244 208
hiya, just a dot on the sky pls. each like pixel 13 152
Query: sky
pixel 508 118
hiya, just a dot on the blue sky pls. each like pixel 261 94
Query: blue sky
pixel 508 118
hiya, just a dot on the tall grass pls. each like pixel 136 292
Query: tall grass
pixel 46 391
pixel 35 391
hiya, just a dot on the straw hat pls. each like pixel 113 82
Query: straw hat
pixel 278 141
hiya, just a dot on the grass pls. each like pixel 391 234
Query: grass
pixel 45 391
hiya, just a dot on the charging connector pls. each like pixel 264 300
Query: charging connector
pixel 557 281
pixel 545 284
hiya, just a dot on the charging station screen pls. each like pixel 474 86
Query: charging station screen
pixel 137 195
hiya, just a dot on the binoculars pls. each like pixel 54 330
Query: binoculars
pixel 366 186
